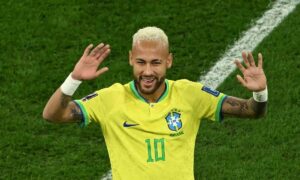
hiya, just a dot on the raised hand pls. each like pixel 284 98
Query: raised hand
pixel 87 67
pixel 254 78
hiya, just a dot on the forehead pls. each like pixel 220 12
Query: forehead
pixel 149 48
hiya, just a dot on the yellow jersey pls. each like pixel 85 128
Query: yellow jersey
pixel 152 140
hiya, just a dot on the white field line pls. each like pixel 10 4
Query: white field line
pixel 249 40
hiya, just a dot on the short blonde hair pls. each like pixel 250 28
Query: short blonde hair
pixel 150 33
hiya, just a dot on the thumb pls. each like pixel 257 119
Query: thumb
pixel 101 71
pixel 241 80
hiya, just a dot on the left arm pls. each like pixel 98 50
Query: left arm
pixel 236 107
pixel 253 79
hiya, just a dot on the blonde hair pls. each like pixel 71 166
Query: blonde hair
pixel 150 33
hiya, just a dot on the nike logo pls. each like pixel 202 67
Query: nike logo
pixel 125 124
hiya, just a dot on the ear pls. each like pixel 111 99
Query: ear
pixel 130 57
pixel 169 60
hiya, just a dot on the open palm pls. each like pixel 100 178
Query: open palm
pixel 254 78
pixel 87 67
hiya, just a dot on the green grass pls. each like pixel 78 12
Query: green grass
pixel 267 148
pixel 42 40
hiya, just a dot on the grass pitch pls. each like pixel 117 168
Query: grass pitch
pixel 42 40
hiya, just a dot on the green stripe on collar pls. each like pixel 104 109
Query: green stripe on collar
pixel 140 97
pixel 165 93
pixel 136 93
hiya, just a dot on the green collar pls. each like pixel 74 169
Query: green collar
pixel 140 97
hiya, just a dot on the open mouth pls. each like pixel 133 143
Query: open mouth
pixel 148 81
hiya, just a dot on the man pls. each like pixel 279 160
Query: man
pixel 150 124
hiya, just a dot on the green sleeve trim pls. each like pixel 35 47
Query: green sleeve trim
pixel 86 119
pixel 218 115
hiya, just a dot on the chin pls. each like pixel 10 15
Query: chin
pixel 152 89
pixel 148 92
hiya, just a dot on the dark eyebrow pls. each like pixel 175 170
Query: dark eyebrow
pixel 139 59
pixel 156 60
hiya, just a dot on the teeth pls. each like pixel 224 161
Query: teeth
pixel 148 78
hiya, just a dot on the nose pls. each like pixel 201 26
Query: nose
pixel 148 70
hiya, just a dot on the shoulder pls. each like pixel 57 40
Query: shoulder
pixel 193 89
pixel 116 92
pixel 184 84
pixel 185 89
pixel 115 88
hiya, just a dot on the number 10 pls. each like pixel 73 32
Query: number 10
pixel 158 152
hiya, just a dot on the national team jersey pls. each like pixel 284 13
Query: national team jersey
pixel 152 141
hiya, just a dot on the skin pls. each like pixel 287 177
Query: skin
pixel 60 108
pixel 150 61
pixel 253 79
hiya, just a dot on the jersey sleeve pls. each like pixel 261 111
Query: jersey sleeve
pixel 206 102
pixel 210 103
pixel 91 107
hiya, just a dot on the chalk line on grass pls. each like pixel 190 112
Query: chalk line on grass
pixel 249 40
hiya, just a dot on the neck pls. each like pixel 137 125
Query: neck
pixel 152 98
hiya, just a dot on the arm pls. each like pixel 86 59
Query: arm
pixel 254 80
pixel 60 107
pixel 236 107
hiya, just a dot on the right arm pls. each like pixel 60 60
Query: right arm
pixel 60 108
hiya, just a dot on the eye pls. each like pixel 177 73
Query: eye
pixel 156 62
pixel 140 62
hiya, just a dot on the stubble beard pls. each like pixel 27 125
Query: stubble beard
pixel 158 83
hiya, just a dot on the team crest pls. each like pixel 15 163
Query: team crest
pixel 174 121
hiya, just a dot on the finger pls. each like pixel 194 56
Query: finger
pixel 244 55
pixel 101 51
pixel 101 71
pixel 240 66
pixel 104 55
pixel 87 50
pixel 241 80
pixel 251 59
pixel 97 49
pixel 260 60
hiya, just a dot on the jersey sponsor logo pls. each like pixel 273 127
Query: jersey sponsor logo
pixel 90 96
pixel 174 121
pixel 210 91
pixel 125 124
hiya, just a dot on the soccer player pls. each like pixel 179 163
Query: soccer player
pixel 150 124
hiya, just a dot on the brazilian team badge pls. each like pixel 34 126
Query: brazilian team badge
pixel 174 121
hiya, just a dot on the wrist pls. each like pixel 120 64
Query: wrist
pixel 70 85
pixel 261 96
pixel 74 76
